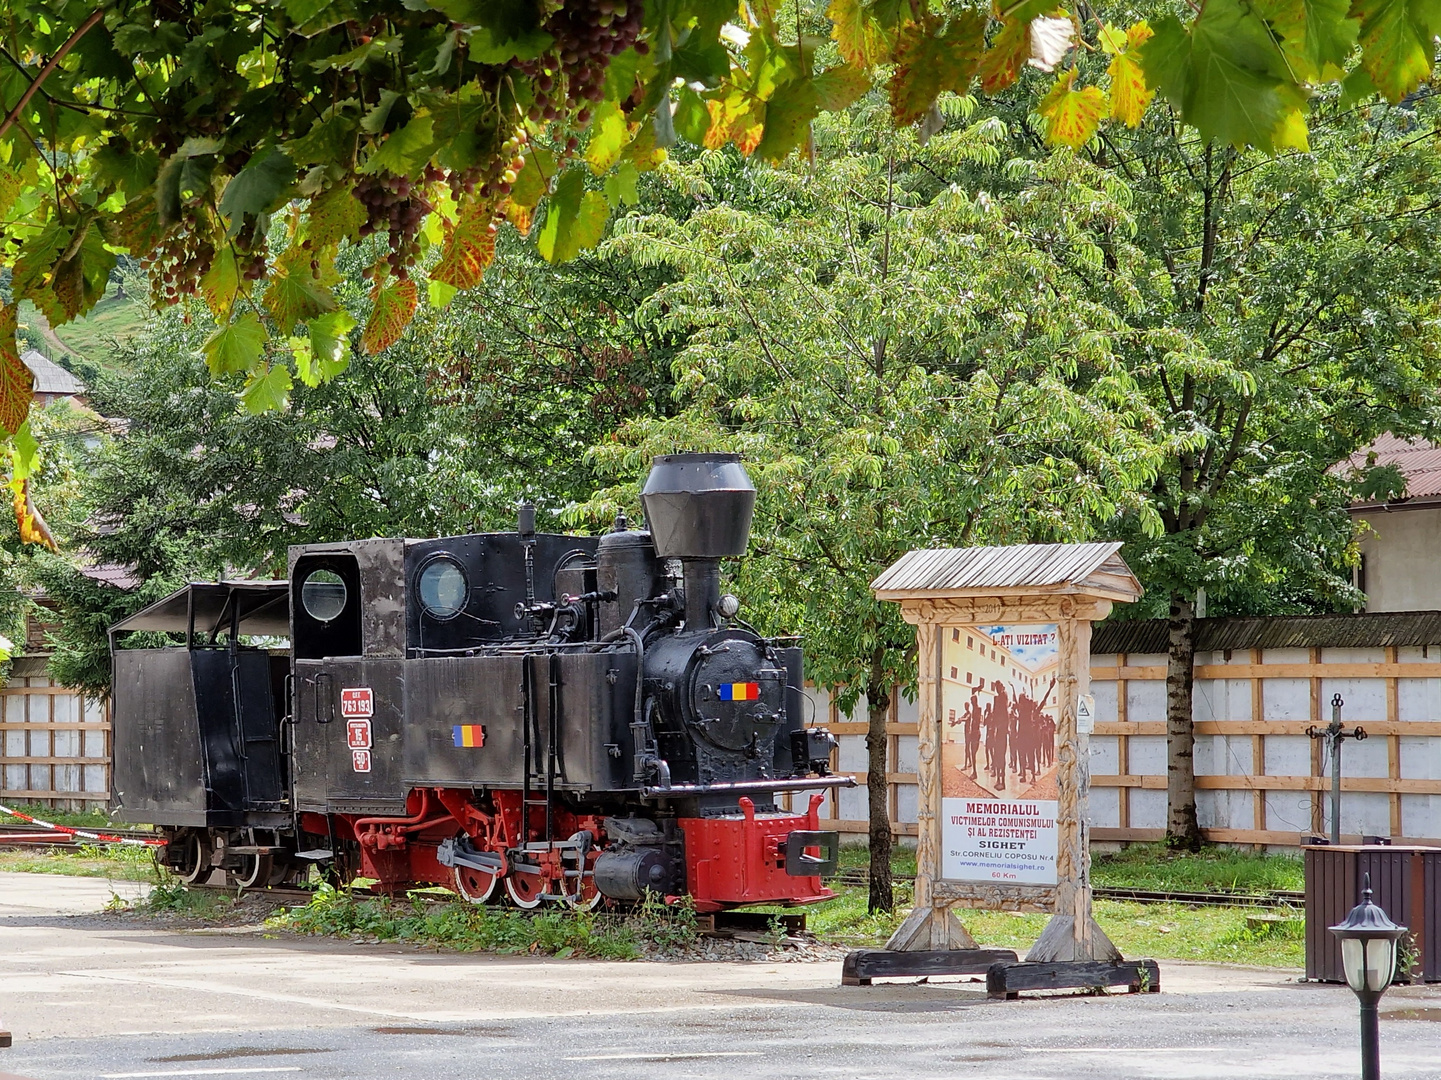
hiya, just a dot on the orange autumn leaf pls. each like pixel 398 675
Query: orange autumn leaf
pixel 1072 115
pixel 17 384
pixel 469 248
pixel 33 529
pixel 393 307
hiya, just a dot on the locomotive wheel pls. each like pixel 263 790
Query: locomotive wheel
pixel 526 890
pixel 253 872
pixel 477 886
pixel 585 897
pixel 194 860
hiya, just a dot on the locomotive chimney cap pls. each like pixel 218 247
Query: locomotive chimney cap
pixel 699 505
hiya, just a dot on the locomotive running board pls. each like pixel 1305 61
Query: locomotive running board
pixel 747 787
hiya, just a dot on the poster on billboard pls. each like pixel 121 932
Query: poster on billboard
pixel 999 790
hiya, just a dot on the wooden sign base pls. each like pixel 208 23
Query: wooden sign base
pixel 1006 981
pixel 4 1040
pixel 1057 943
pixel 863 965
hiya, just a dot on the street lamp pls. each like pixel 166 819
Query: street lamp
pixel 1368 956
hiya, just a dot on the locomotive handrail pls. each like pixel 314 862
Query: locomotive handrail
pixel 741 787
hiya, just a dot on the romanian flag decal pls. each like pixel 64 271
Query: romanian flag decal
pixel 740 691
pixel 469 734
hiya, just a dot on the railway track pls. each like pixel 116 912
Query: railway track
pixel 1275 898
pixel 25 835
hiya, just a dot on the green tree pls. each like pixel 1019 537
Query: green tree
pixel 900 371
pixel 1278 312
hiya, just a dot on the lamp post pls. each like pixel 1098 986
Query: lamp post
pixel 1368 956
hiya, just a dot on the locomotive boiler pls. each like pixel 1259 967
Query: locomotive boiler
pixel 546 717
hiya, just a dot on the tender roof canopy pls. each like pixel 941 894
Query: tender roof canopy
pixel 1094 568
pixel 264 609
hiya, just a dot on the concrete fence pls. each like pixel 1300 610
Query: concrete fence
pixel 54 742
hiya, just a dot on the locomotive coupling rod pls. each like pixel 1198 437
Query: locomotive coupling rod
pixel 746 787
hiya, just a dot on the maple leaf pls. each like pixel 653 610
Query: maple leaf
pixel 392 307
pixel 17 384
pixel 33 529
pixel 930 60
pixel 1396 43
pixel 1001 65
pixel 469 248
pixel 1072 115
pixel 1130 95
pixel 861 40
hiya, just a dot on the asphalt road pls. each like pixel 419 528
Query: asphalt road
pixel 91 999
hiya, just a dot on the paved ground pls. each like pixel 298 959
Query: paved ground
pixel 90 999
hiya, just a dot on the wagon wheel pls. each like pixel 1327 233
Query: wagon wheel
pixel 253 872
pixel 194 864
pixel 526 890
pixel 474 885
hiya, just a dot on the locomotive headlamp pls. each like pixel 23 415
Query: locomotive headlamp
pixel 1368 957
pixel 728 605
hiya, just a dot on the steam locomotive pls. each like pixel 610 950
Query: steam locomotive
pixel 567 719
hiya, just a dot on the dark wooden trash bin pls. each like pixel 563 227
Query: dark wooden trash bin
pixel 1405 881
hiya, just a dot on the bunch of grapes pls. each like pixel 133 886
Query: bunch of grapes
pixel 177 262
pixel 395 206
pixel 588 33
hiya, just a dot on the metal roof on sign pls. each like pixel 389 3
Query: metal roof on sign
pixel 1370 630
pixel 1040 566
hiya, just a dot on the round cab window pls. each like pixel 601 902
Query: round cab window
pixel 443 589
pixel 323 595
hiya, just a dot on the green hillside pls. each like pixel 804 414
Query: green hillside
pixel 93 337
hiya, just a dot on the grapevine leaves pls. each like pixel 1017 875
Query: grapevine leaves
pixel 393 305
pixel 1072 114
pixel 932 57
pixel 259 187
pixel 469 248
pixel 17 384
pixel 237 346
pixel 574 218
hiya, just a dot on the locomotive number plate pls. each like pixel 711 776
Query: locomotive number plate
pixel 357 734
pixel 357 701
pixel 360 760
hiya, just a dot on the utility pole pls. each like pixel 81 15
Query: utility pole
pixel 1334 735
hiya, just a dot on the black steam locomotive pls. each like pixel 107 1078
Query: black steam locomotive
pixel 575 718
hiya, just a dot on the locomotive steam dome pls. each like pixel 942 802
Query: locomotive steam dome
pixel 699 505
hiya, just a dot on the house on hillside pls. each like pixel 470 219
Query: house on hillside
pixel 52 382
pixel 1401 552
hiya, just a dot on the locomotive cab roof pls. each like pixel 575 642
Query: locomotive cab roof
pixel 264 608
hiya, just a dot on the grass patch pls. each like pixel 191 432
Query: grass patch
pixel 1154 867
pixel 1163 931
pixel 170 897
pixel 113 862
pixel 114 318
pixel 652 928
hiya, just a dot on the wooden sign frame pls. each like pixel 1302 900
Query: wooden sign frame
pixel 1072 606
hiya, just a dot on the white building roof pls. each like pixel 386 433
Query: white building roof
pixel 50 377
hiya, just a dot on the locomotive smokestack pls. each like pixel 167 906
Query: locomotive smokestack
pixel 699 507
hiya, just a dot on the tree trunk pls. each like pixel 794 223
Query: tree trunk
pixel 1182 829
pixel 878 702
